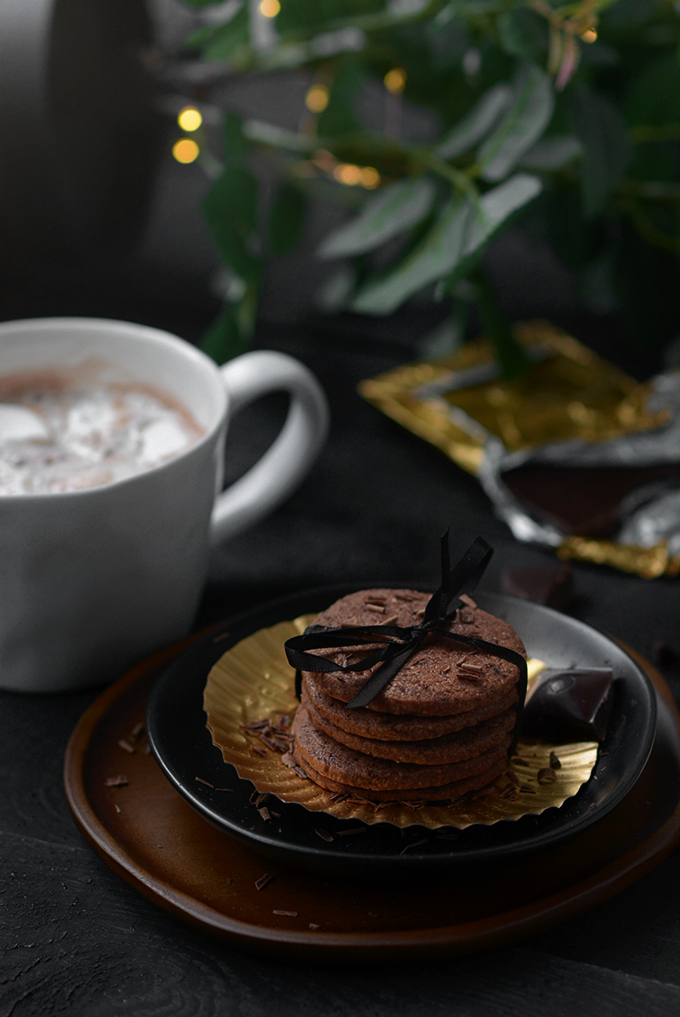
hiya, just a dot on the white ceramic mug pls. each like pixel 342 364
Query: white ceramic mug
pixel 91 580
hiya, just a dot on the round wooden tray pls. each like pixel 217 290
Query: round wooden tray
pixel 149 835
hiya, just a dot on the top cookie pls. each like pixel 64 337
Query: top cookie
pixel 437 680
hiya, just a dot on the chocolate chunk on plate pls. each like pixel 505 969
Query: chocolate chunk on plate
pixel 569 705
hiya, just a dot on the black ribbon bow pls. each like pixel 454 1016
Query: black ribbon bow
pixel 400 643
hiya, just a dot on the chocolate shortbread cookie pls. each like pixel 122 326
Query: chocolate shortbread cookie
pixel 451 791
pixel 340 763
pixel 441 678
pixel 450 748
pixel 399 727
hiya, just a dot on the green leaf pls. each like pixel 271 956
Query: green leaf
pixel 434 257
pixel 552 153
pixel 339 116
pixel 230 211
pixel 523 34
pixel 602 132
pixel 286 219
pixel 227 39
pixel 235 144
pixel 306 14
pixel 497 206
pixel 386 214
pixel 477 124
pixel 521 127
pixel 262 133
pixel 230 333
pixel 334 293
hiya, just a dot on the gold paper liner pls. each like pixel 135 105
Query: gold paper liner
pixel 253 681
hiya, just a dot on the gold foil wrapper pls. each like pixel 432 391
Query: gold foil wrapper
pixel 253 681
pixel 570 393
pixel 648 562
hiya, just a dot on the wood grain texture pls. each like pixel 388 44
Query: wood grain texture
pixel 94 947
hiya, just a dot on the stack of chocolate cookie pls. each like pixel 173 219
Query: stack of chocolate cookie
pixel 441 728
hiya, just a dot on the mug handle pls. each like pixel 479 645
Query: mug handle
pixel 279 471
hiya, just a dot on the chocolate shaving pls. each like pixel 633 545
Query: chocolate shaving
pixel 263 881
pixel 222 636
pixel 289 760
pixel 415 844
pixel 474 669
pixel 117 807
pixel 275 734
pixel 546 776
pixel 258 798
pixel 312 925
pixel 352 832
pixel 264 812
pixel 325 835
pixel 136 733
pixel 483 792
pixel 126 745
pixel 378 608
pixel 513 778
pixel 119 781
pixel 555 761
pixel 256 750
pixel 206 782
pixel 286 914
pixel 525 789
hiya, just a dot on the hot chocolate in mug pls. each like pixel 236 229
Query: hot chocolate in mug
pixel 99 568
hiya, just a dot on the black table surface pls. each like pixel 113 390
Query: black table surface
pixel 76 939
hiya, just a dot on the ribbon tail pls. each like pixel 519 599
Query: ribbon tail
pixel 462 578
pixel 381 678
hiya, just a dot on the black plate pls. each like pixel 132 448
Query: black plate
pixel 182 745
